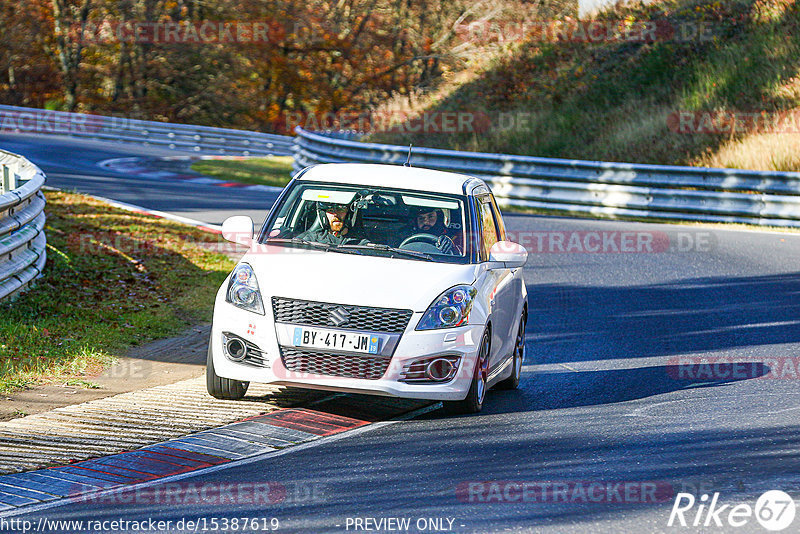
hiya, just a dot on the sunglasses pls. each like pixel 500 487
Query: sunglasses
pixel 336 209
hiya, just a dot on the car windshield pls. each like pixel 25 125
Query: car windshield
pixel 370 220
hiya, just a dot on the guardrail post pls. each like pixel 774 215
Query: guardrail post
pixel 9 182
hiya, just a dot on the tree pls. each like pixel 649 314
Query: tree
pixel 69 19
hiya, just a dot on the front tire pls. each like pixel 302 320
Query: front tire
pixel 222 388
pixel 512 382
pixel 477 390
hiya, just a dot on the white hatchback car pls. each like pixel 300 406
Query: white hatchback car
pixel 375 279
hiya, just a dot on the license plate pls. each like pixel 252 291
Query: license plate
pixel 328 339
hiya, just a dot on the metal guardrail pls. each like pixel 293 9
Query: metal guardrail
pixel 183 137
pixel 22 240
pixel 596 188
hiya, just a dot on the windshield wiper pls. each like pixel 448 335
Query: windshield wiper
pixel 300 241
pixel 387 248
pixel 327 247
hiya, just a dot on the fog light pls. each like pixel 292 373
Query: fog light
pixel 237 350
pixel 439 369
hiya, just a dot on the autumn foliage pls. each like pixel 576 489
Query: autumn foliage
pixel 240 63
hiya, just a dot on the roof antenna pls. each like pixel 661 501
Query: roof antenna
pixel 408 159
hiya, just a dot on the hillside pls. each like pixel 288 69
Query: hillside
pixel 692 82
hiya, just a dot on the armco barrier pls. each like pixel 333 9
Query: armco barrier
pixel 22 239
pixel 656 192
pixel 184 137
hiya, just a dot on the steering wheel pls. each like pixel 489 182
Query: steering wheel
pixel 425 238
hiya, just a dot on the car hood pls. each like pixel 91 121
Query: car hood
pixel 354 279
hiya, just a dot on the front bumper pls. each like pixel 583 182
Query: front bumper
pixel 410 347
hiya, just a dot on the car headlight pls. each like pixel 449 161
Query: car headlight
pixel 243 289
pixel 450 309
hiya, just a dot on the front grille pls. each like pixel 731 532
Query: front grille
pixel 325 314
pixel 366 366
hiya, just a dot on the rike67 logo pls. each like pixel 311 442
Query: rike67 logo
pixel 774 510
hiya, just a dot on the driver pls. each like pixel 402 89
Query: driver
pixel 430 221
pixel 336 226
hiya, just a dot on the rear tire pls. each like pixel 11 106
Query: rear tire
pixel 477 390
pixel 222 388
pixel 512 382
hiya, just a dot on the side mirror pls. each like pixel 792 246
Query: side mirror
pixel 238 229
pixel 507 254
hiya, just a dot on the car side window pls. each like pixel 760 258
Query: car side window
pixel 488 226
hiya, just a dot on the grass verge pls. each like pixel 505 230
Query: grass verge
pixel 113 279
pixel 273 170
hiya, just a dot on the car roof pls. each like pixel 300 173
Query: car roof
pixel 395 176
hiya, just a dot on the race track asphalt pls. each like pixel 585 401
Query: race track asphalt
pixel 72 164
pixel 613 395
